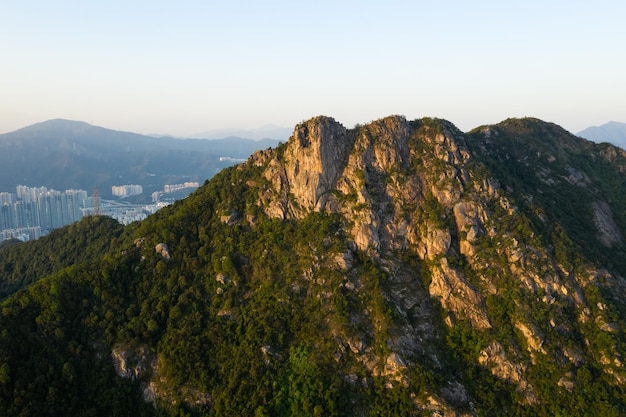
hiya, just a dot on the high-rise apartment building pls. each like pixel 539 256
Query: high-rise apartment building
pixel 126 190
pixel 39 210
pixel 6 198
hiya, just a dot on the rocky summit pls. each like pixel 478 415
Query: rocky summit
pixel 396 268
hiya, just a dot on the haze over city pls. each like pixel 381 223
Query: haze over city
pixel 183 68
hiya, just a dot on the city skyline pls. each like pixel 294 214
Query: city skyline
pixel 186 68
pixel 40 210
pixel 32 212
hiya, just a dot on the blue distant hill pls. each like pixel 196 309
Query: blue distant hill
pixel 612 132
pixel 64 154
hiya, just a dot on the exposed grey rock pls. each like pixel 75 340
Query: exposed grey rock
pixel 136 364
pixel 609 233
pixel 314 159
pixel 163 250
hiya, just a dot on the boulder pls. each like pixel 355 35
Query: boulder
pixel 163 250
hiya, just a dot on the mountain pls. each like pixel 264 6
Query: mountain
pixel 263 132
pixel 398 268
pixel 613 132
pixel 63 154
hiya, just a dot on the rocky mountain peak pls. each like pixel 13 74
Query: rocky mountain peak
pixel 396 268
pixel 315 157
pixel 368 173
pixel 424 187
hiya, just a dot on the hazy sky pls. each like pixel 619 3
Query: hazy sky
pixel 182 67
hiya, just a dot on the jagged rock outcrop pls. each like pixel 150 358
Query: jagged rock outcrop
pixel 136 364
pixel 419 187
pixel 314 158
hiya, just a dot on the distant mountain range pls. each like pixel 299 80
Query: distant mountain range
pixel 264 132
pixel 612 132
pixel 63 154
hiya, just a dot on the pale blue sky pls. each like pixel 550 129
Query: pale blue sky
pixel 182 67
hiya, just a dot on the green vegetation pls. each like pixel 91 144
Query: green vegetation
pixel 22 264
pixel 258 341
pixel 563 176
pixel 258 316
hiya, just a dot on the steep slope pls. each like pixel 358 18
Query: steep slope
pixel 399 268
pixel 561 181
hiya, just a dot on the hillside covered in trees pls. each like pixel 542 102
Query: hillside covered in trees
pixel 397 268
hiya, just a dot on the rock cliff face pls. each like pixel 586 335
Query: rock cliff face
pixel 314 160
pixel 379 177
pixel 423 187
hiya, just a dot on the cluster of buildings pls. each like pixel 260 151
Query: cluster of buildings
pixel 33 211
pixel 172 188
pixel 126 190
pixel 126 214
